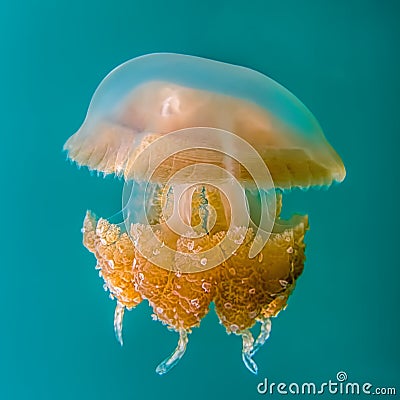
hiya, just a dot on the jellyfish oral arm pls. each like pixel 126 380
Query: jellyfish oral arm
pixel 172 360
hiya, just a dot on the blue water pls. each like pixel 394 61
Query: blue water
pixel 340 58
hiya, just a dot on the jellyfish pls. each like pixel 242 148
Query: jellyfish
pixel 207 152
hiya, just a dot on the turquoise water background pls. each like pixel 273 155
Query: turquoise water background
pixel 340 58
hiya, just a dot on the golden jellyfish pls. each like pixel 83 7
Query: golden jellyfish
pixel 206 150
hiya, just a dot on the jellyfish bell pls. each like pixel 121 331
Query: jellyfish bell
pixel 206 150
pixel 155 94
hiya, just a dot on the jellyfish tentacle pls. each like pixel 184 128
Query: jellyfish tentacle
pixel 174 358
pixel 248 341
pixel 265 330
pixel 118 320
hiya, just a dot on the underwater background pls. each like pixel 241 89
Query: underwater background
pixel 340 58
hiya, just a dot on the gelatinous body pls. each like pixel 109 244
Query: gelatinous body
pixel 206 150
pixel 162 93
